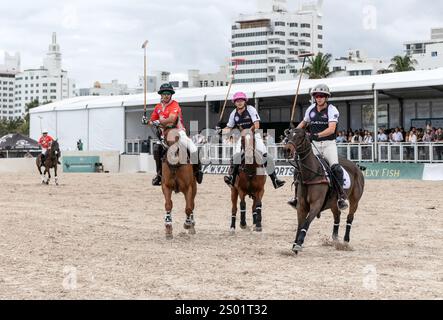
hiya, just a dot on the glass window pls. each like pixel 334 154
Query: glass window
pixel 367 116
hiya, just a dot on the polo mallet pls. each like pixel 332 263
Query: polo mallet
pixel 144 46
pixel 304 56
pixel 236 62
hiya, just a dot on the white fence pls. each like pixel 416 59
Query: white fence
pixel 357 152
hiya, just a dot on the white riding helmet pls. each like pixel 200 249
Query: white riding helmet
pixel 45 131
pixel 321 88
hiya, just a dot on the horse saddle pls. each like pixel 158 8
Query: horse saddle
pixel 327 170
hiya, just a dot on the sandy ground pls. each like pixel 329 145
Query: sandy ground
pixel 101 236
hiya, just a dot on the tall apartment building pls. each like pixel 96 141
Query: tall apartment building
pixel 48 83
pixel 199 80
pixel 8 70
pixel 428 53
pixel 270 42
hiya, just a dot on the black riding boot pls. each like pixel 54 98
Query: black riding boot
pixel 157 181
pixel 293 202
pixel 197 168
pixel 338 174
pixel 275 181
pixel 233 170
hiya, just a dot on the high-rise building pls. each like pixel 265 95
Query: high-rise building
pixel 427 53
pixel 48 83
pixel 8 70
pixel 270 42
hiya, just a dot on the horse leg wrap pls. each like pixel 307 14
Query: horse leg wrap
pixel 335 231
pixel 348 232
pixel 168 219
pixel 242 214
pixel 258 209
pixel 233 219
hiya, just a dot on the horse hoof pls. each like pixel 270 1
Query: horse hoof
pixel 243 226
pixel 258 229
pixel 187 226
pixel 296 248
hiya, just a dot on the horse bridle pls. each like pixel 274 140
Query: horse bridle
pixel 299 158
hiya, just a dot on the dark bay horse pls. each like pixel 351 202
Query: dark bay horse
pixel 314 192
pixel 177 176
pixel 250 182
pixel 50 162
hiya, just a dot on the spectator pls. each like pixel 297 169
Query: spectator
pixel 428 137
pixel 340 138
pixel 368 137
pixel 397 136
pixel 412 137
pixel 439 135
pixel 79 145
pixel 382 137
pixel 356 138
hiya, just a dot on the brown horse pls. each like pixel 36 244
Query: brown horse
pixel 51 160
pixel 250 182
pixel 314 191
pixel 177 176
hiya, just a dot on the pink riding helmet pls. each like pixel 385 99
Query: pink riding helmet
pixel 238 96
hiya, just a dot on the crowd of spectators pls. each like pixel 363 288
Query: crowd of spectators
pixel 394 135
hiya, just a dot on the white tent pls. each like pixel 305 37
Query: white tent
pixel 100 121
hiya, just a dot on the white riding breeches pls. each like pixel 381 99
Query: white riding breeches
pixel 327 149
pixel 186 142
pixel 44 150
pixel 259 145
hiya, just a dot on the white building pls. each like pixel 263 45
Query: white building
pixel 48 83
pixel 219 79
pixel 356 63
pixel 8 70
pixel 428 53
pixel 271 41
pixel 109 89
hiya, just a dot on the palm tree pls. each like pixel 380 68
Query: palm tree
pixel 318 66
pixel 401 64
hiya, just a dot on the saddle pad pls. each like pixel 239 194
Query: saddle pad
pixel 346 177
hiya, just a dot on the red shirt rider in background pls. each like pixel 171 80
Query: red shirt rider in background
pixel 45 142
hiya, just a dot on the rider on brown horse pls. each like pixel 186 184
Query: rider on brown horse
pixel 45 143
pixel 323 119
pixel 246 117
pixel 168 114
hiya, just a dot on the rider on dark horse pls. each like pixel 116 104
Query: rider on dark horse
pixel 169 114
pixel 323 119
pixel 45 143
pixel 246 117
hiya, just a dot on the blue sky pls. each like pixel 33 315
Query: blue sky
pixel 101 39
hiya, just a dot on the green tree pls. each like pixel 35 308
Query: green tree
pixel 401 64
pixel 24 128
pixel 318 66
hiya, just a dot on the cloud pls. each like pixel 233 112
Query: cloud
pixel 101 39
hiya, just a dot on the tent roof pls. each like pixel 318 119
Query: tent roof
pixel 16 141
pixel 340 85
